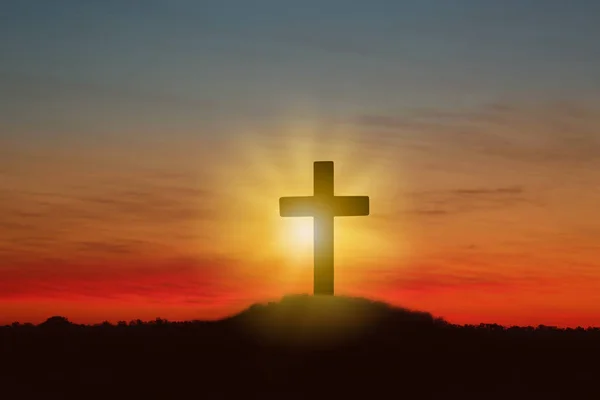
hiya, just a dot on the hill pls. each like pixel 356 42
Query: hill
pixel 300 347
pixel 325 320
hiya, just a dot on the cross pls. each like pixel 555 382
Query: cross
pixel 323 206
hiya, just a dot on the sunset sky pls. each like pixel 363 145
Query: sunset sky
pixel 144 147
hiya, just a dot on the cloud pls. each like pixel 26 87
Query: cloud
pixel 559 134
pixel 437 282
pixel 118 217
pixel 45 107
pixel 149 202
pixel 327 43
pixel 428 212
pixel 476 269
pixel 30 87
pixel 389 122
pixel 189 278
pixel 111 248
pixel 463 200
pixel 439 275
pixel 479 192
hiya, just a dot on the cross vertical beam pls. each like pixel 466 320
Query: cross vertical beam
pixel 323 228
pixel 323 249
pixel 323 179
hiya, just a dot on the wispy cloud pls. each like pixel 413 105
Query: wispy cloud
pixel 119 217
pixel 560 133
pixel 449 202
pixel 198 278
pixel 17 86
pixel 474 268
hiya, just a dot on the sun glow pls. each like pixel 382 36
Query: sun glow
pixel 297 236
pixel 269 165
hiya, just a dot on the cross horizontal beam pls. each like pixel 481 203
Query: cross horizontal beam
pixel 335 206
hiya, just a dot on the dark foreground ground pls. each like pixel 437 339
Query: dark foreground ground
pixel 301 347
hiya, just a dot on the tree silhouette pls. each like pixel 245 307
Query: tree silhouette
pixel 56 322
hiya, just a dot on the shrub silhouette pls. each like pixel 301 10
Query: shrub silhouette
pixel 56 322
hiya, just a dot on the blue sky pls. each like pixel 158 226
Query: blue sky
pixel 260 58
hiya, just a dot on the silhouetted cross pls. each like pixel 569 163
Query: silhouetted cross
pixel 323 206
